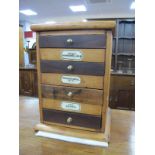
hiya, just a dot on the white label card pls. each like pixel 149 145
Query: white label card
pixel 70 106
pixel 70 79
pixel 71 55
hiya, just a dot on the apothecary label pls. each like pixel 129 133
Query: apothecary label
pixel 70 106
pixel 70 79
pixel 71 55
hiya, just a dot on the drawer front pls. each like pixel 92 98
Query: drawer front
pixel 84 81
pixel 73 41
pixel 87 55
pixel 71 67
pixel 77 107
pixel 82 95
pixel 70 118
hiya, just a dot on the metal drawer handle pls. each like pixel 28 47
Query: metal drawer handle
pixel 69 120
pixel 70 67
pixel 69 41
pixel 70 94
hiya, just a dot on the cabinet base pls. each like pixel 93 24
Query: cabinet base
pixel 76 135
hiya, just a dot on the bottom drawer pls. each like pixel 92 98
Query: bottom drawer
pixel 70 118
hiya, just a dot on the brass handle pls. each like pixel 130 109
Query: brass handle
pixel 69 120
pixel 70 41
pixel 70 67
pixel 70 94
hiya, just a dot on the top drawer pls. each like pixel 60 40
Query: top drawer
pixel 96 41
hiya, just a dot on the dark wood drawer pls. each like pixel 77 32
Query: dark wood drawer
pixel 70 118
pixel 73 41
pixel 71 67
pixel 73 94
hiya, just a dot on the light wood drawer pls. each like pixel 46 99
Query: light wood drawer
pixel 90 96
pixel 72 106
pixel 71 67
pixel 72 119
pixel 84 81
pixel 87 55
pixel 73 41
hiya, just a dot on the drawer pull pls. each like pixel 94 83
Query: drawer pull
pixel 70 94
pixel 70 67
pixel 69 120
pixel 69 41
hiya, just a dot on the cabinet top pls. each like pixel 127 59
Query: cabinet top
pixel 108 24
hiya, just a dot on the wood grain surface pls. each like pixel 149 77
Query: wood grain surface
pixel 107 78
pixel 86 81
pixel 81 68
pixel 82 120
pixel 38 75
pixel 77 41
pixel 91 96
pixel 84 108
pixel 89 55
pixel 108 24
pixel 71 32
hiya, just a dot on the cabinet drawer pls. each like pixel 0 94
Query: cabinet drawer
pixel 73 41
pixel 70 118
pixel 71 106
pixel 87 55
pixel 83 95
pixel 71 67
pixel 84 81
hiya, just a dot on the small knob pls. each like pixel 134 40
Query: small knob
pixel 69 120
pixel 70 94
pixel 69 41
pixel 70 67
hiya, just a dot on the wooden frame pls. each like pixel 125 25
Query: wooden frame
pixel 107 77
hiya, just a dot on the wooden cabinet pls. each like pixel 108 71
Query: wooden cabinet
pixel 122 92
pixel 28 82
pixel 74 63
pixel 123 57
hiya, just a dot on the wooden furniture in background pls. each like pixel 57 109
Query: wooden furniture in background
pixel 32 56
pixel 21 46
pixel 124 45
pixel 123 65
pixel 122 92
pixel 67 66
pixel 28 81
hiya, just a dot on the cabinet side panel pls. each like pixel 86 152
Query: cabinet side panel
pixel 107 77
pixel 38 73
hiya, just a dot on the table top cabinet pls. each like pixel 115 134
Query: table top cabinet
pixel 73 64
